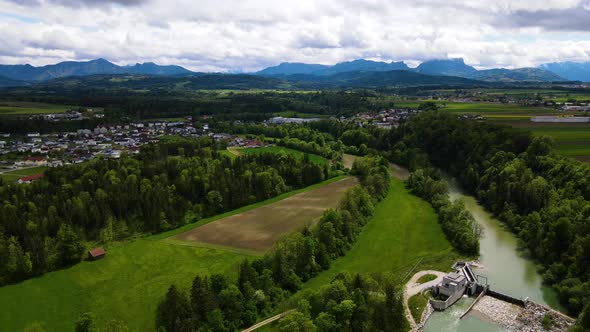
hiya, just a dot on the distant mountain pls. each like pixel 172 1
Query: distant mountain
pixel 378 79
pixel 291 68
pixel 7 82
pixel 574 71
pixel 517 75
pixel 362 65
pixel 83 68
pixel 150 68
pixel 450 67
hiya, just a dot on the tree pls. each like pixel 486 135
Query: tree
pixel 173 311
pixel 296 322
pixel 85 323
pixel 202 299
pixel 69 245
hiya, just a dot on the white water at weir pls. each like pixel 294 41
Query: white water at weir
pixel 505 265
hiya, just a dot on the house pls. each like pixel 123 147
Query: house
pixel 30 178
pixel 96 253
pixel 35 161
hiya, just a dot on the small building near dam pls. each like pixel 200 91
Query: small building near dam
pixel 453 286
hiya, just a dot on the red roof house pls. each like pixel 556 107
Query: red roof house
pixel 96 253
pixel 30 178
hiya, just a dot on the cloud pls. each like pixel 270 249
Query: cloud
pixel 246 35
pixel 78 3
pixel 570 19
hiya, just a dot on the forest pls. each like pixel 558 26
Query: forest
pixel 47 224
pixel 219 304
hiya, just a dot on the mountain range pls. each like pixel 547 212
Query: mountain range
pixel 351 73
pixel 448 67
pixel 28 73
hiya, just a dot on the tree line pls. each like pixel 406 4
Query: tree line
pixel 47 224
pixel 457 223
pixel 217 303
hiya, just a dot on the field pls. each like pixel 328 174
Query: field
pixel 279 149
pixel 11 176
pixel 257 230
pixel 403 231
pixel 16 108
pixel 125 285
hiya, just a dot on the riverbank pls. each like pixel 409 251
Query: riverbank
pixel 532 317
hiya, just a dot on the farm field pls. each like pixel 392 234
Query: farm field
pixel 14 175
pixel 572 140
pixel 258 229
pixel 129 281
pixel 16 108
pixel 403 230
pixel 279 149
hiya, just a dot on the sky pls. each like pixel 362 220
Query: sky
pixel 248 35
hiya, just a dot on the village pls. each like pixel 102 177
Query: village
pixel 109 141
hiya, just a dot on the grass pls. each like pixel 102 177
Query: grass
pixel 12 176
pixel 279 149
pixel 403 230
pixel 125 285
pixel 417 304
pixel 426 278
pixel 14 108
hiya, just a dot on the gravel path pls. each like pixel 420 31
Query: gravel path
pixel 412 288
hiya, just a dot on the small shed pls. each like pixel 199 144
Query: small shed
pixel 96 253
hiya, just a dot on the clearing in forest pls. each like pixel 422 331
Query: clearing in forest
pixel 258 229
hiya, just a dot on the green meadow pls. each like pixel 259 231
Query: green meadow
pixel 403 232
pixel 16 108
pixel 126 285
pixel 12 176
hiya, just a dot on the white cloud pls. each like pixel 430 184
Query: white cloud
pixel 246 35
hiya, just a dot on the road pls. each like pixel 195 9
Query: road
pixel 267 321
pixel 412 288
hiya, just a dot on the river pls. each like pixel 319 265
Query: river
pixel 506 267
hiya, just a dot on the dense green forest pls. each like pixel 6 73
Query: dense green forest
pixel 218 304
pixel 44 224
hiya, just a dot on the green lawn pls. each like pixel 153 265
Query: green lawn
pixel 426 278
pixel 13 108
pixel 279 149
pixel 16 174
pixel 125 285
pixel 417 304
pixel 403 230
